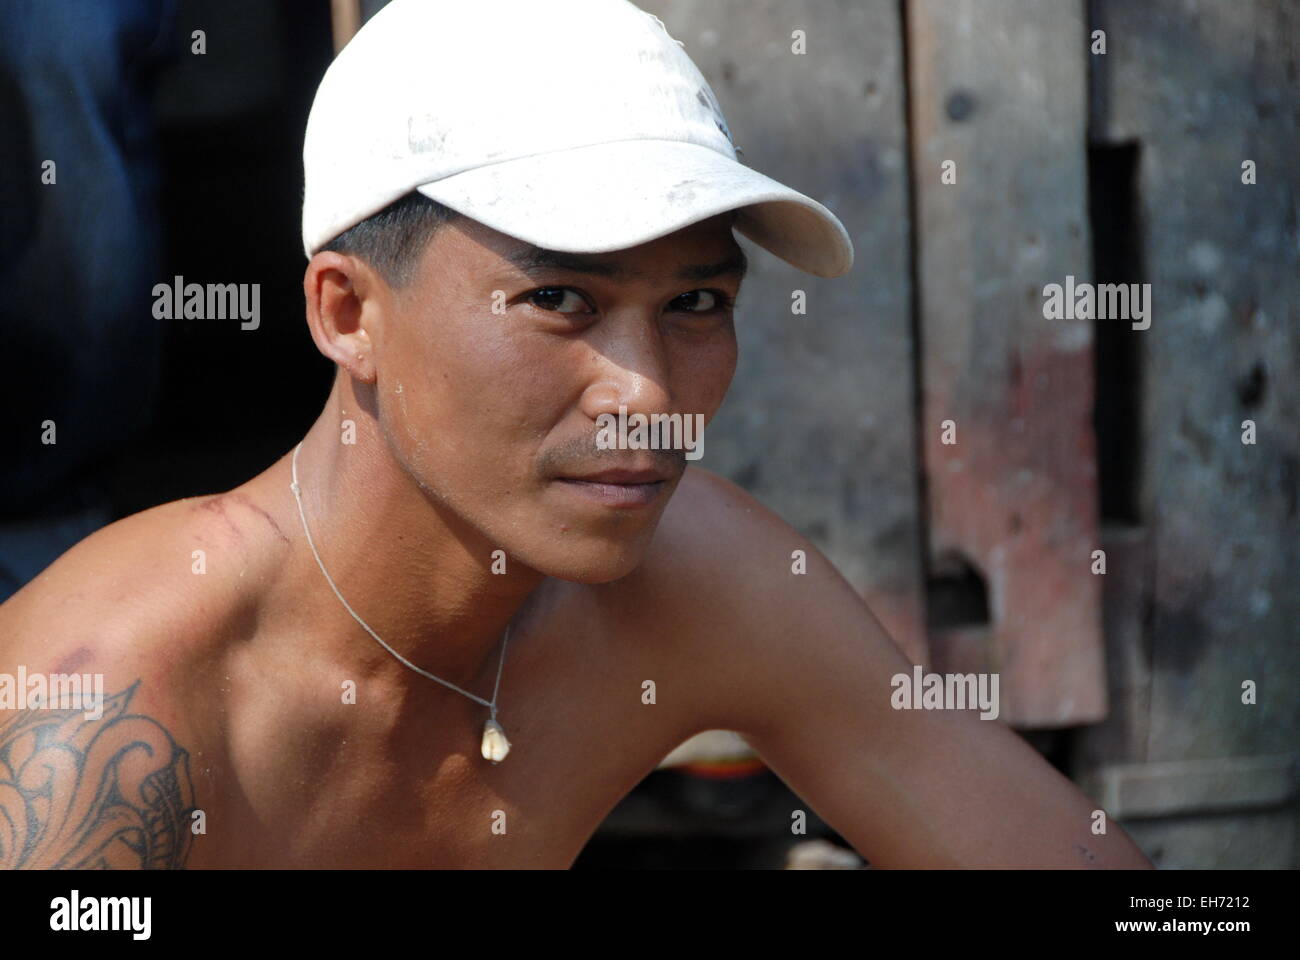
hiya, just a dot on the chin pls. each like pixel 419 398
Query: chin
pixel 588 559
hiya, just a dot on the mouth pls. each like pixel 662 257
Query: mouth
pixel 619 488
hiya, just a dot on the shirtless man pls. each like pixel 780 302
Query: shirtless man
pixel 617 601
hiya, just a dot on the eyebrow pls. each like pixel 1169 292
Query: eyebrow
pixel 536 259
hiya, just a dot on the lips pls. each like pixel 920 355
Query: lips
pixel 622 488
pixel 623 476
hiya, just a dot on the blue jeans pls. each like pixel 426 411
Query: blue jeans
pixel 78 258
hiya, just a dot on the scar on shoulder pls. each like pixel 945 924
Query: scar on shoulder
pixel 217 505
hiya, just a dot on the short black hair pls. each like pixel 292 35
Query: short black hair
pixel 392 240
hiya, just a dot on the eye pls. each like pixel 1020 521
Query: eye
pixel 555 298
pixel 569 301
pixel 714 301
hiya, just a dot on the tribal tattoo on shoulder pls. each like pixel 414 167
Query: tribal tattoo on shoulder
pixel 103 794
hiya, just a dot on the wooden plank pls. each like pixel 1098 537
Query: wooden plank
pixel 1126 599
pixel 1202 88
pixel 1000 90
pixel 819 422
pixel 1175 787
pixel 1260 840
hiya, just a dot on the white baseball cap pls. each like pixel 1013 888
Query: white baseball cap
pixel 574 125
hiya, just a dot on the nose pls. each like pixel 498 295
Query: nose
pixel 630 368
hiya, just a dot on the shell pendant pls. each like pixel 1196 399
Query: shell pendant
pixel 495 744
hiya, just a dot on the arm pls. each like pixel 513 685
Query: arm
pixel 810 689
pixel 98 782
pixel 79 791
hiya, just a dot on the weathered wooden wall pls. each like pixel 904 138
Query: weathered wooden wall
pixel 998 91
pixel 1205 583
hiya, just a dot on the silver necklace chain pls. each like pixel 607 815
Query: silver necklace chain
pixel 491 705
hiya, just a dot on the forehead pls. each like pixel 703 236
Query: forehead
pixel 700 251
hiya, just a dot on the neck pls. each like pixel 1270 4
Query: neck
pixel 416 574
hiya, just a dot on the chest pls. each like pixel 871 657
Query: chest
pixel 305 791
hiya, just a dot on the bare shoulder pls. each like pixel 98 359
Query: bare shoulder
pixel 137 587
pixel 746 598
pixel 708 519
pixel 712 543
pixel 725 540
pixel 106 699
pixel 770 641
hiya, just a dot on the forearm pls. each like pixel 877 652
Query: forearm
pixel 978 796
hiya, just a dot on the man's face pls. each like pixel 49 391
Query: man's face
pixel 494 411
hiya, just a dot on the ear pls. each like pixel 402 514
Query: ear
pixel 342 294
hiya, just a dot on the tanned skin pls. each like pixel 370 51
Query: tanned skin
pixel 228 686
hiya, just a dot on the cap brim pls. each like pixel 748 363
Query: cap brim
pixel 612 196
